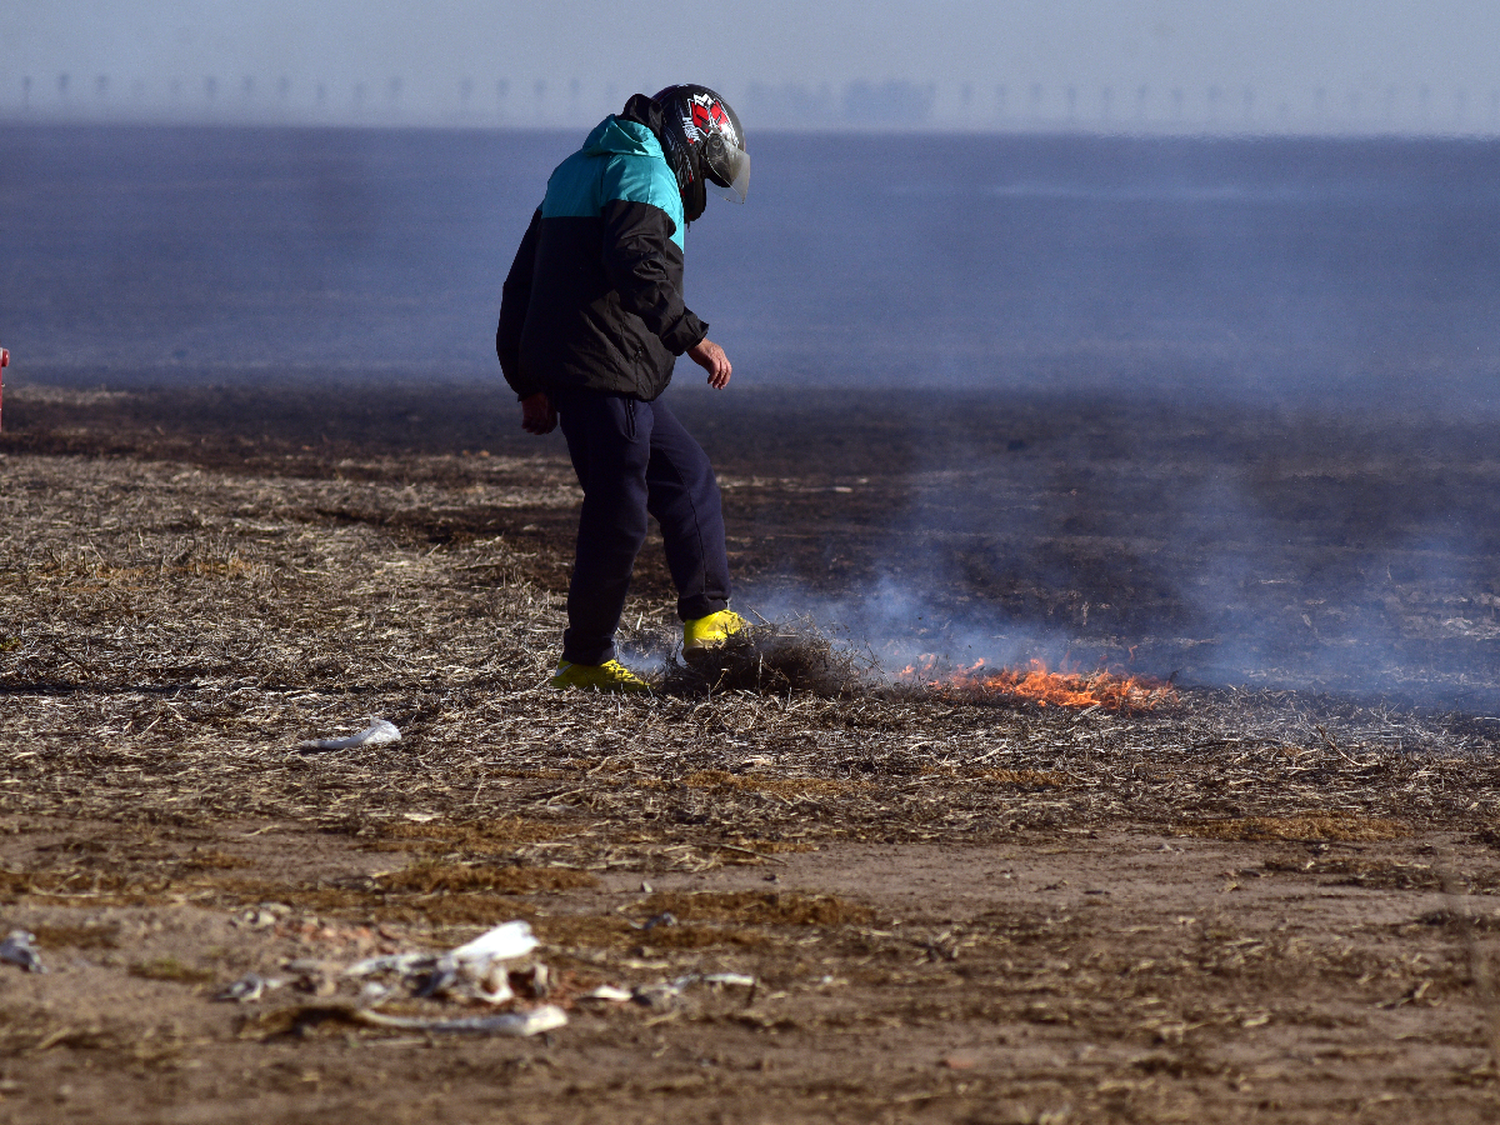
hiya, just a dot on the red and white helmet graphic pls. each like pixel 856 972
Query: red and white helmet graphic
pixel 712 130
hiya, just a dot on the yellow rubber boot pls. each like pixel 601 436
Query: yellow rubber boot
pixel 704 633
pixel 611 676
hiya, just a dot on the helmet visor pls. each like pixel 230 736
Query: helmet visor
pixel 730 173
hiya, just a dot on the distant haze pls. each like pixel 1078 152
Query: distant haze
pixel 1261 66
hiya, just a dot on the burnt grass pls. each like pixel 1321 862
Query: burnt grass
pixel 192 581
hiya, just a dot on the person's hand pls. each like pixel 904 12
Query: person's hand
pixel 538 415
pixel 709 356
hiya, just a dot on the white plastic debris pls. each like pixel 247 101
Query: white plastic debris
pixel 480 962
pixel 399 963
pixel 248 989
pixel 371 994
pixel 494 987
pixel 546 1018
pixel 711 978
pixel 475 970
pixel 380 732
pixel 665 993
pixel 610 993
pixel 18 949
pixel 505 942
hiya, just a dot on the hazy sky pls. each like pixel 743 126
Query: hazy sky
pixel 1283 63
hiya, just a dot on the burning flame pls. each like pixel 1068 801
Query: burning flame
pixel 1037 684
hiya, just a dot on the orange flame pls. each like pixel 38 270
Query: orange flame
pixel 1037 684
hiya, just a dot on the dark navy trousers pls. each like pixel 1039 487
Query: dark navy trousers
pixel 634 459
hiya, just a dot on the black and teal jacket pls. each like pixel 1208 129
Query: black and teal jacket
pixel 594 297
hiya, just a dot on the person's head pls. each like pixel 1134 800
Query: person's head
pixel 705 145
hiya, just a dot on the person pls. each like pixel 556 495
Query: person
pixel 592 320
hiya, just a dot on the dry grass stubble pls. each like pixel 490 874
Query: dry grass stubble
pixel 168 634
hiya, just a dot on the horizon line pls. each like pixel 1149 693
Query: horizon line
pixel 1041 127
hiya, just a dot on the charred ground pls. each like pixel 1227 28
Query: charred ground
pixel 1255 903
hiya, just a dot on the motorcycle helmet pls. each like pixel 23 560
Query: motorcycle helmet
pixel 705 144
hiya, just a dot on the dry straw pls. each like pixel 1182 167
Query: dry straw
pixel 170 633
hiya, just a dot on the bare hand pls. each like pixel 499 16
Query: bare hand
pixel 538 415
pixel 709 356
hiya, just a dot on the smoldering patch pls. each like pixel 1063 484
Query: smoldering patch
pixel 772 658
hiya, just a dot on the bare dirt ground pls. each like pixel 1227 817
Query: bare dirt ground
pixel 1250 904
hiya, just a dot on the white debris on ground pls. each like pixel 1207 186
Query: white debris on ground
pixel 504 943
pixel 249 988
pixel 609 994
pixel 19 949
pixel 479 971
pixel 549 1017
pixel 667 993
pixel 476 972
pixel 380 732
